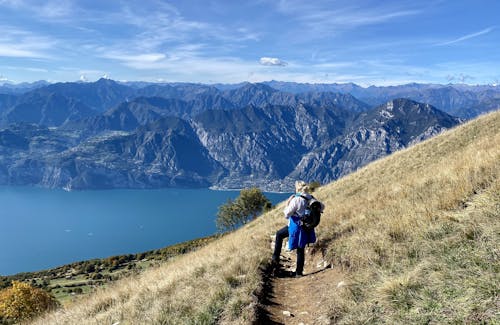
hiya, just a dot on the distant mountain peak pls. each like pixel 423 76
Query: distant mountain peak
pixel 106 81
pixel 257 87
pixel 403 106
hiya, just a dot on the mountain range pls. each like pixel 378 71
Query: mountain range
pixel 464 101
pixel 409 239
pixel 113 135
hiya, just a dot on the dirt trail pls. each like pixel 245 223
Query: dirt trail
pixel 299 301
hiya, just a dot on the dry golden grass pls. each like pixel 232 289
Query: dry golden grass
pixel 416 233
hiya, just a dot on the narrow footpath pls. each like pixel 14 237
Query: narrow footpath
pixel 299 301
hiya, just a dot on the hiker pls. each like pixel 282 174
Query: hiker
pixel 298 237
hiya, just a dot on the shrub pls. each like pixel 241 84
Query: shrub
pixel 22 301
pixel 244 208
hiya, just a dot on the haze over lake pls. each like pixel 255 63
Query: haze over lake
pixel 42 228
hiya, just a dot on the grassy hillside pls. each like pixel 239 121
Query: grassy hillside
pixel 415 234
pixel 418 232
pixel 68 282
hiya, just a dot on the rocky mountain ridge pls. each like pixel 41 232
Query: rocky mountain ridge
pixel 464 101
pixel 81 100
pixel 139 144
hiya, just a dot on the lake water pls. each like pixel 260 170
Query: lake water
pixel 41 228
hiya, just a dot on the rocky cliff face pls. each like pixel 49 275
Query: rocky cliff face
pixel 267 146
pixel 372 135
pixel 166 153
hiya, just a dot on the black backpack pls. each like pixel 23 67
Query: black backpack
pixel 312 216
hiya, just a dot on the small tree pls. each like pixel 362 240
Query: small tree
pixel 253 201
pixel 245 207
pixel 22 302
pixel 229 216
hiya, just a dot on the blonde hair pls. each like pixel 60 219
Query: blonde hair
pixel 301 186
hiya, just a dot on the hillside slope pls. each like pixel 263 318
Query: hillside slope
pixel 412 237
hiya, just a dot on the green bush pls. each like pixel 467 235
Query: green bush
pixel 247 206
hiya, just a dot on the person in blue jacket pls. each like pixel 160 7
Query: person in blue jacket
pixel 298 238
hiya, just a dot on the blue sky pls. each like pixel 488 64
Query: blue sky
pixel 361 41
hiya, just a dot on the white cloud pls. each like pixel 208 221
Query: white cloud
pixel 19 43
pixel 272 62
pixel 162 30
pixel 137 59
pixel 143 61
pixel 469 36
pixel 319 16
pixel 48 9
pixel 9 50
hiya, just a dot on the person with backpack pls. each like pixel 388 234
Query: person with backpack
pixel 300 228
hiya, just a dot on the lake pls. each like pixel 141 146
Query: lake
pixel 42 228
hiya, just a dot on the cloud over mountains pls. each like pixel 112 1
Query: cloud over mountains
pixel 272 62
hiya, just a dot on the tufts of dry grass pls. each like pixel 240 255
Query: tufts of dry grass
pixel 416 234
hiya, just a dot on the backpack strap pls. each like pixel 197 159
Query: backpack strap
pixel 307 199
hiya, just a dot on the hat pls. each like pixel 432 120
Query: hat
pixel 301 186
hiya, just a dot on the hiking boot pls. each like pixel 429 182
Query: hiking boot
pixel 284 274
pixel 297 275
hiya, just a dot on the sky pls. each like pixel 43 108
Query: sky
pixel 366 42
